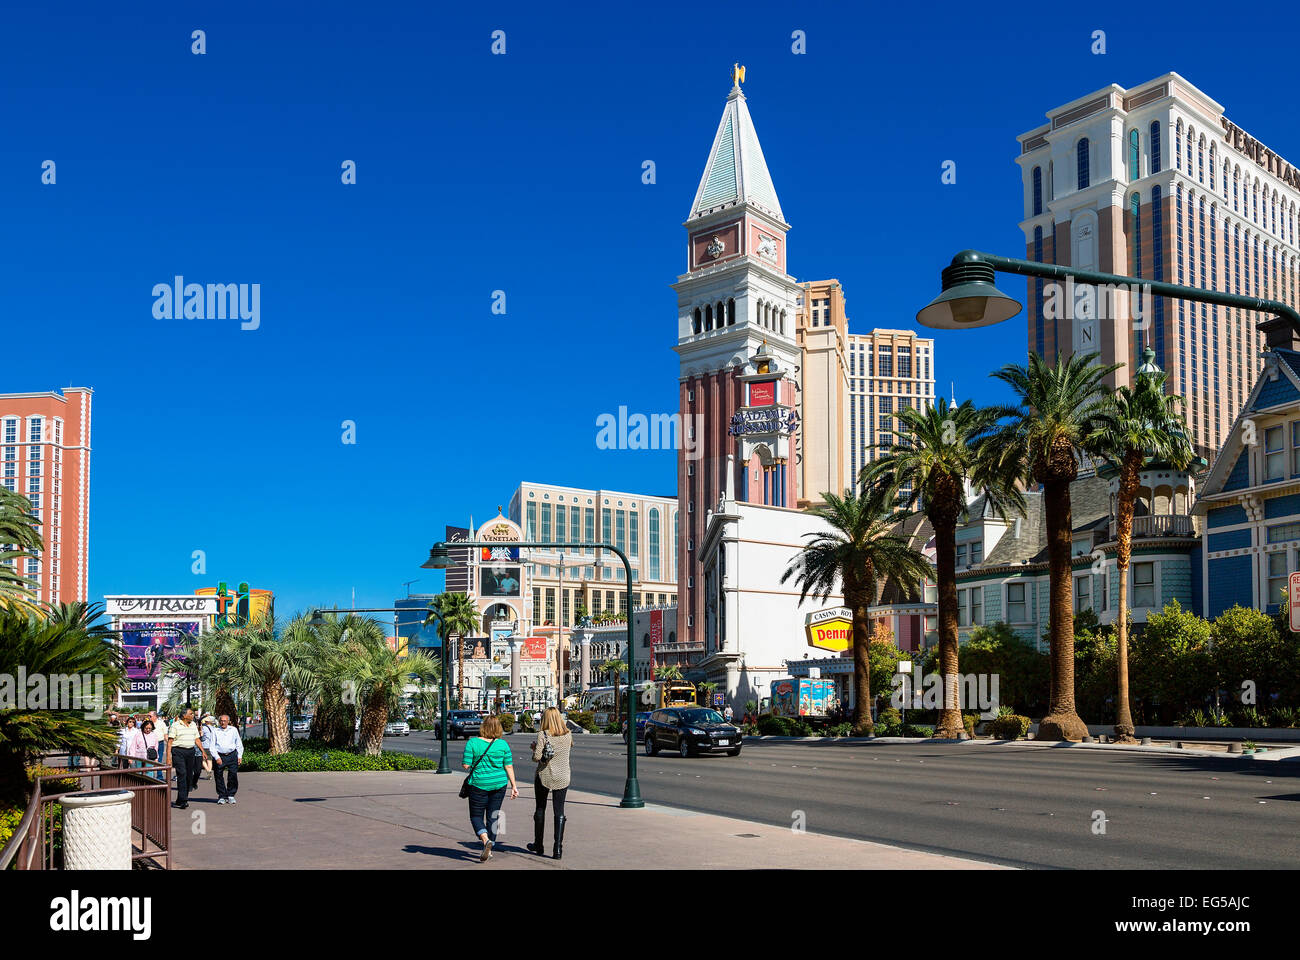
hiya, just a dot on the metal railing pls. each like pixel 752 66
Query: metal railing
pixel 1160 525
pixel 32 846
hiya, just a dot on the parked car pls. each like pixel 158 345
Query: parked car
pixel 641 718
pixel 397 728
pixel 461 723
pixel 690 731
pixel 300 724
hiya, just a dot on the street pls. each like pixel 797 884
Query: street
pixel 1026 806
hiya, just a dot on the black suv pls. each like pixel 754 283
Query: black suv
pixel 689 731
pixel 462 723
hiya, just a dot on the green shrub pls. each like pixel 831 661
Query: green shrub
pixel 912 730
pixel 10 817
pixel 613 727
pixel 1009 727
pixel 585 719
pixel 838 730
pixel 889 717
pixel 51 787
pixel 970 721
pixel 336 760
pixel 507 722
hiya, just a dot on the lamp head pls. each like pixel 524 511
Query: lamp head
pixel 439 558
pixel 969 298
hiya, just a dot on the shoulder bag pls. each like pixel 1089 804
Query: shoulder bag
pixel 464 787
pixel 548 752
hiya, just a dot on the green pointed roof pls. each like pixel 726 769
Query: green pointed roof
pixel 736 172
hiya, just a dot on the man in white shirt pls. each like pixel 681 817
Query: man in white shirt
pixel 227 750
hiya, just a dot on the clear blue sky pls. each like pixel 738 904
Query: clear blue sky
pixel 476 173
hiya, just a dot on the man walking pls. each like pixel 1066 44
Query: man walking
pixel 729 713
pixel 185 753
pixel 227 750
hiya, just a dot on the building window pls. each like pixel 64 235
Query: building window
pixel 654 543
pixel 1082 164
pixel 1144 585
pixel 530 522
pixel 976 552
pixel 1282 532
pixel 963 617
pixel 1274 456
pixel 1155 146
pixel 589 527
pixel 976 606
pixel 1134 156
pixel 1083 593
pixel 961 555
pixel 1038 191
pixel 1017 609
pixel 1277 578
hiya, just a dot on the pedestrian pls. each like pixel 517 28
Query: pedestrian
pixel 146 746
pixel 728 713
pixel 124 738
pixel 491 768
pixel 209 724
pixel 184 752
pixel 227 749
pixel 551 751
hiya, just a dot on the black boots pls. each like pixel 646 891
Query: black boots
pixel 539 833
pixel 559 836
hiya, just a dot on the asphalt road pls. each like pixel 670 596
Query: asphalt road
pixel 1025 806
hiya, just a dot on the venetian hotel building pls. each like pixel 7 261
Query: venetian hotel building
pixel 1156 182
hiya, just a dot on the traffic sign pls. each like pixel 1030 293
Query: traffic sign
pixel 1293 599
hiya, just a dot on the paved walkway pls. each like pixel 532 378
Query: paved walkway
pixel 415 820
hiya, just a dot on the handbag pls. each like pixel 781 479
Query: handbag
pixel 548 752
pixel 464 787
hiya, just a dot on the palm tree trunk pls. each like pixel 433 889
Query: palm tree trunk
pixel 1128 485
pixel 1062 721
pixel 373 718
pixel 857 602
pixel 460 673
pixel 950 725
pixel 275 707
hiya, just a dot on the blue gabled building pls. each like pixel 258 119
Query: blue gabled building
pixel 1250 500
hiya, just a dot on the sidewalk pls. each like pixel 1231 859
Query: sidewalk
pixel 414 820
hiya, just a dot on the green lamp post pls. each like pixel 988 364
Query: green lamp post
pixel 440 559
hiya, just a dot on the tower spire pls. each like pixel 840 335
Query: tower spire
pixel 736 172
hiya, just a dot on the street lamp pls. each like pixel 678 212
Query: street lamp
pixel 969 298
pixel 440 559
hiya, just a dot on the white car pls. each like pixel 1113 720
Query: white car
pixel 397 728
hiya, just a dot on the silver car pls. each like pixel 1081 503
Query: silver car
pixel 397 728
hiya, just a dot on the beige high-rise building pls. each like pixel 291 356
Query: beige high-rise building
pixel 1156 182
pixel 888 370
pixel 822 332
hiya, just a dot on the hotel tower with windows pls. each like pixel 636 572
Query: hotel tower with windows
pixel 45 455
pixel 1156 182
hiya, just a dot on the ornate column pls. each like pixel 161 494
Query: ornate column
pixel 584 641
pixel 515 686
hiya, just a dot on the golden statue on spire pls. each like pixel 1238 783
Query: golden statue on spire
pixel 737 74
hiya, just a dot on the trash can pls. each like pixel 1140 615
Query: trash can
pixel 97 830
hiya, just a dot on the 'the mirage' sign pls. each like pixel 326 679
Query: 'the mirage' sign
pixel 154 606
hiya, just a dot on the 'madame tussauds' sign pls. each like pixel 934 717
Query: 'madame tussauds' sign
pixel 182 605
pixel 830 629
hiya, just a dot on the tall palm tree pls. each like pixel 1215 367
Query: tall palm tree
pixel 672 672
pixel 363 662
pixel 255 657
pixel 616 669
pixel 455 615
pixel 1062 409
pixel 1146 423
pixel 57 646
pixel 936 454
pixel 859 548
pixel 19 540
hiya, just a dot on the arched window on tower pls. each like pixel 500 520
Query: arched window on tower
pixel 1134 155
pixel 1081 164
pixel 699 321
pixel 1225 180
pixel 1178 145
pixel 1212 159
pixel 731 312
pixel 1155 146
pixel 1038 191
pixel 1200 159
pixel 1236 188
pixel 708 317
pixel 720 314
pixel 1191 139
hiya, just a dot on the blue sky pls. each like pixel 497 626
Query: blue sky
pixel 477 173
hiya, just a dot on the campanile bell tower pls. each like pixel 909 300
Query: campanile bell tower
pixel 736 308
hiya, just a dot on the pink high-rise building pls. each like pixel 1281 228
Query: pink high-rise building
pixel 45 455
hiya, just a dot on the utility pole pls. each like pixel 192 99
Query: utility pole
pixel 559 643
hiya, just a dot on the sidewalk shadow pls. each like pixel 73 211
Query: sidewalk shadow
pixel 467 850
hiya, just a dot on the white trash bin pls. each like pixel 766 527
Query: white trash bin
pixel 97 830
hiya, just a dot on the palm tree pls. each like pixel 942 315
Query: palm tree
pixel 859 548
pixel 455 615
pixel 707 688
pixel 1062 408
pixel 615 668
pixel 673 672
pixel 61 646
pixel 498 684
pixel 363 662
pixel 937 453
pixel 256 658
pixel 1145 423
pixel 19 540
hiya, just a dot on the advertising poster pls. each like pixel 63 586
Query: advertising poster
pixel 147 644
pixel 656 636
pixel 498 554
pixel 475 650
pixel 499 581
pixel 534 649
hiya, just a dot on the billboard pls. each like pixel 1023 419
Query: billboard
pixel 498 554
pixel 534 648
pixel 656 636
pixel 830 629
pixel 500 581
pixel 458 576
pixel 476 649
pixel 146 644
